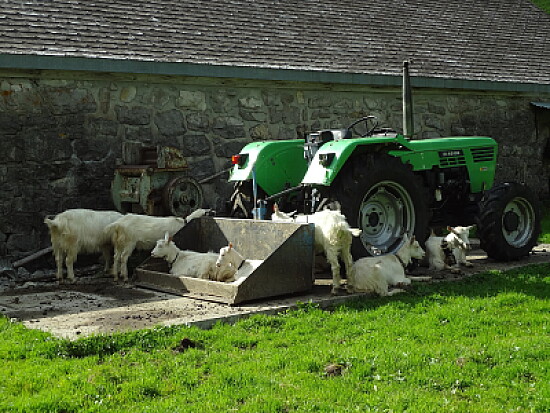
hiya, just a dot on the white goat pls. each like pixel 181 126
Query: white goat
pixel 333 237
pixel 141 232
pixel 80 231
pixel 377 274
pixel 191 263
pixel 449 252
pixel 229 257
pixel 279 216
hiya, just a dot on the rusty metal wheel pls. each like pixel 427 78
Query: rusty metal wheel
pixel 181 196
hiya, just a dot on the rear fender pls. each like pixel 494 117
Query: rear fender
pixel 278 165
pixel 332 156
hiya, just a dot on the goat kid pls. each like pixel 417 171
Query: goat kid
pixel 80 231
pixel 229 257
pixel 141 232
pixel 377 274
pixel 333 238
pixel 191 263
pixel 449 252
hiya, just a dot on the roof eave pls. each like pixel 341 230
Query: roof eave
pixel 106 65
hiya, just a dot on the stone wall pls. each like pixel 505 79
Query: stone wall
pixel 61 133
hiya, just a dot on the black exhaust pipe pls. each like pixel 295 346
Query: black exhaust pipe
pixel 408 124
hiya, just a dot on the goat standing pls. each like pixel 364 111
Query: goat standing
pixel 80 231
pixel 141 232
pixel 333 237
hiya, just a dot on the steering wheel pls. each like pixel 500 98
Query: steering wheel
pixel 366 120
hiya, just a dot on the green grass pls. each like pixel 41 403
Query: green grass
pixel 542 4
pixel 545 223
pixel 480 345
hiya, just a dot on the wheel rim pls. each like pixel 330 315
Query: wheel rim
pixel 517 222
pixel 183 196
pixel 385 214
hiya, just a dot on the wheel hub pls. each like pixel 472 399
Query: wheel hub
pixel 385 213
pixel 511 221
pixel 373 219
pixel 517 222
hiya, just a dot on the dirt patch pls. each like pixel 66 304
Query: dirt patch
pixel 95 305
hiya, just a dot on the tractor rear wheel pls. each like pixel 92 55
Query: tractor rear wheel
pixel 383 197
pixel 508 224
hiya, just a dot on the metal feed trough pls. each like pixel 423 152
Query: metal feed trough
pixel 286 248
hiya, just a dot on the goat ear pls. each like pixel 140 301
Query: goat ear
pixel 230 245
pixel 451 229
pixel 413 239
pixel 166 237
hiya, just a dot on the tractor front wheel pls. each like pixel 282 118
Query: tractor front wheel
pixel 508 224
pixel 383 197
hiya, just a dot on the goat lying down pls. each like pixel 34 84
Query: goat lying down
pixel 333 237
pixel 77 231
pixel 191 263
pixel 229 257
pixel 377 274
pixel 141 232
pixel 449 252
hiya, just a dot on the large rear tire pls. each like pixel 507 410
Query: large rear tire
pixel 508 224
pixel 383 197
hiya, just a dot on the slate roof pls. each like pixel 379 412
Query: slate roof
pixel 486 40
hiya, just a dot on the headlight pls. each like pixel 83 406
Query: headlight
pixel 326 159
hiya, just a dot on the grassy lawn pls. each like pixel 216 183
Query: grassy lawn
pixel 480 345
pixel 545 225
pixel 542 4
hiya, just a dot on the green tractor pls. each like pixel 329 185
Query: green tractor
pixel 388 184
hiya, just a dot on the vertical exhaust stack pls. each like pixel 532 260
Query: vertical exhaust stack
pixel 408 125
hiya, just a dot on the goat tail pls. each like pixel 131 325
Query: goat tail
pixel 57 225
pixel 112 232
pixel 51 223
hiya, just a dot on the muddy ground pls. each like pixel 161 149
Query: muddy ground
pixel 96 305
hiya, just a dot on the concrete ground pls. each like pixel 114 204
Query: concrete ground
pixel 95 305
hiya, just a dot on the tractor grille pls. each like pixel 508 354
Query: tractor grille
pixel 483 154
pixel 451 158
